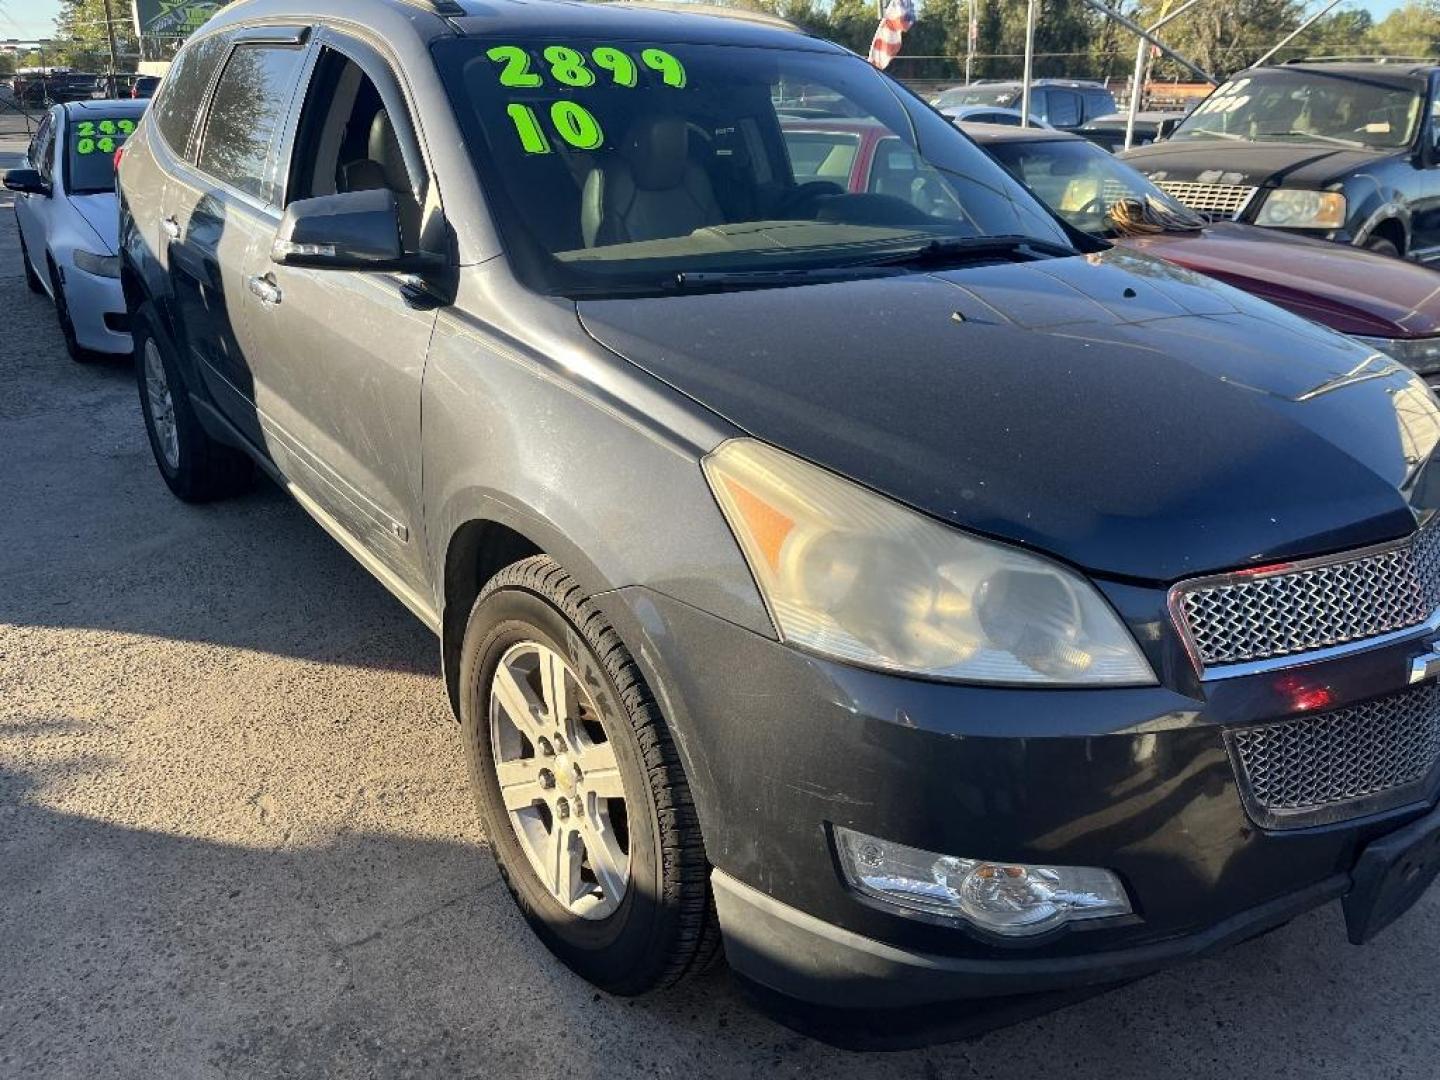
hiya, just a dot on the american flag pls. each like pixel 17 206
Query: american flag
pixel 899 17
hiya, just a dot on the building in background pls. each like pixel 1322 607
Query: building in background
pixel 162 25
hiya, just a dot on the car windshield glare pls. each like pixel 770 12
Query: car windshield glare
pixel 616 165
pixel 1293 105
pixel 1083 183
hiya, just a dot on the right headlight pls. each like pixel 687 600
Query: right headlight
pixel 854 576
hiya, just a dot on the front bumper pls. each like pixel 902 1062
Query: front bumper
pixel 780 746
pixel 97 308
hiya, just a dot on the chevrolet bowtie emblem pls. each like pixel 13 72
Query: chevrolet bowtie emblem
pixel 1426 665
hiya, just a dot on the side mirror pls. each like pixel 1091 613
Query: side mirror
pixel 25 181
pixel 356 230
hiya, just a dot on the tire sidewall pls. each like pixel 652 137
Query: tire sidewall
pixel 146 330
pixel 606 951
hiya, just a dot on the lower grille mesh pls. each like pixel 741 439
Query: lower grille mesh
pixel 1360 760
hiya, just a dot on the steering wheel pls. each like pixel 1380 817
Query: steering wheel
pixel 1096 206
pixel 799 201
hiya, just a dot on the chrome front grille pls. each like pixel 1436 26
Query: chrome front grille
pixel 1310 770
pixel 1222 200
pixel 1317 604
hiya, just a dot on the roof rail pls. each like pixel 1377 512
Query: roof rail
pixel 437 7
pixel 690 7
pixel 1363 60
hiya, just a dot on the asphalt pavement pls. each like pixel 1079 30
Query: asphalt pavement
pixel 236 838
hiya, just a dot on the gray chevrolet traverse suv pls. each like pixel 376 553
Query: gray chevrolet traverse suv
pixel 937 609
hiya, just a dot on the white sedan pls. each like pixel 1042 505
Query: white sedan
pixel 70 218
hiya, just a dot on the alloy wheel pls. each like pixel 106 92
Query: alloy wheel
pixel 559 780
pixel 162 406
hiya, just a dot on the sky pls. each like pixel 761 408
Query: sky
pixel 36 18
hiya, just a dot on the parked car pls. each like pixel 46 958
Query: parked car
pixel 69 221
pixel 1348 152
pixel 989 114
pixel 1150 127
pixel 144 86
pixel 897 585
pixel 1390 304
pixel 1062 103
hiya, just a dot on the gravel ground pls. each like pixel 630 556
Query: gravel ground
pixel 236 841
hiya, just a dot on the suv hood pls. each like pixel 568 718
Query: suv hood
pixel 1346 288
pixel 1121 413
pixel 1257 164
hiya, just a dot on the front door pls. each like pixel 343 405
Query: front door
pixel 220 212
pixel 338 355
pixel 33 211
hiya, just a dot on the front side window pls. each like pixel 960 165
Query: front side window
pixel 1079 181
pixel 1292 105
pixel 40 143
pixel 177 101
pixel 620 164
pixel 249 107
pixel 91 142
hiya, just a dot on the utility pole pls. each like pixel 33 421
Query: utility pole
pixel 113 85
pixel 972 31
pixel 1031 16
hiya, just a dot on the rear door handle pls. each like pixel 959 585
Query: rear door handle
pixel 265 288
pixel 171 227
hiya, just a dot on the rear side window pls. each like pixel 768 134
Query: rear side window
pixel 1098 103
pixel 1064 109
pixel 248 109
pixel 178 100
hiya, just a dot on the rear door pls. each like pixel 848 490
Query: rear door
pixel 223 209
pixel 338 355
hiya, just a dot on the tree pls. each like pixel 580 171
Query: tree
pixel 1412 30
pixel 81 38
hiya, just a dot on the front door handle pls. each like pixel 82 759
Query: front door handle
pixel 265 288
pixel 171 227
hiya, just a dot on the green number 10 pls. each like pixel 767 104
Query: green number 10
pixel 574 123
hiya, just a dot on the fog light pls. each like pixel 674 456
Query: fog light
pixel 1004 898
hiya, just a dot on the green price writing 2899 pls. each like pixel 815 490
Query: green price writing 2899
pixel 570 67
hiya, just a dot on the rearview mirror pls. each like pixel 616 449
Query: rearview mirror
pixel 356 230
pixel 25 181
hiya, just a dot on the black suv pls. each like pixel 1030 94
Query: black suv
pixel 1343 151
pixel 1066 104
pixel 931 604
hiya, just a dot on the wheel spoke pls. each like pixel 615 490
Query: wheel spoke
pixel 562 861
pixel 602 771
pixel 555 692
pixel 607 861
pixel 520 786
pixel 517 702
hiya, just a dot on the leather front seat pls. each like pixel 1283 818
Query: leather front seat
pixel 384 165
pixel 649 189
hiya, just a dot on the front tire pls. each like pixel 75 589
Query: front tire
pixel 579 786
pixel 32 279
pixel 78 352
pixel 196 467
pixel 1382 246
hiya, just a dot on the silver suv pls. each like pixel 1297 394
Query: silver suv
pixel 891 583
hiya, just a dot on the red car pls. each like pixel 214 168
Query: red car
pixel 1392 304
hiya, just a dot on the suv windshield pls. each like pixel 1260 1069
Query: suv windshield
pixel 1079 181
pixel 613 165
pixel 90 160
pixel 1289 104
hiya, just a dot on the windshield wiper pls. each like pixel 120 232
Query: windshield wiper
pixel 1209 132
pixel 774 279
pixel 951 248
pixel 1311 135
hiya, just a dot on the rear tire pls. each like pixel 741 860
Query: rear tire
pixel 32 279
pixel 196 467
pixel 659 925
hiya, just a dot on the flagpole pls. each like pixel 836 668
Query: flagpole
pixel 970 29
pixel 1030 18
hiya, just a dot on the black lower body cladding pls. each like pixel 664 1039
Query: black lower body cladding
pixel 782 747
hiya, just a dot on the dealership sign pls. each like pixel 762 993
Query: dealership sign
pixel 173 17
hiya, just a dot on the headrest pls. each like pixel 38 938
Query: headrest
pixel 657 150
pixel 385 148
